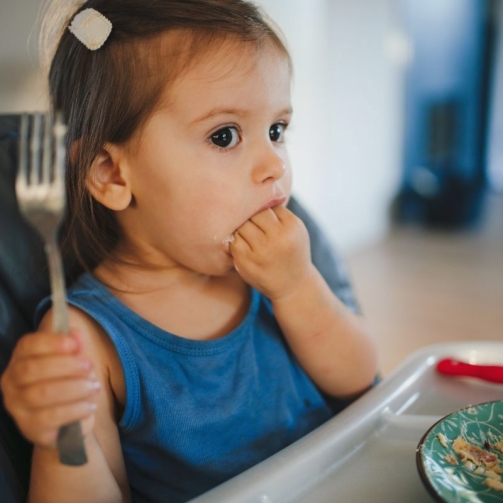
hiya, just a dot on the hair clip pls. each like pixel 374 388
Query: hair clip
pixel 91 28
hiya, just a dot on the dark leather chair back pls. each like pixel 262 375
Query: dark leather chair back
pixel 23 282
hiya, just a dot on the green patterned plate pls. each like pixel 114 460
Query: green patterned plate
pixel 445 476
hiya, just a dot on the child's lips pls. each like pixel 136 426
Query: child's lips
pixel 273 202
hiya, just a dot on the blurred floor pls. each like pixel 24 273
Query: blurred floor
pixel 420 287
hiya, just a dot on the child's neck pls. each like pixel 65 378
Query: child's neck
pixel 126 278
pixel 181 302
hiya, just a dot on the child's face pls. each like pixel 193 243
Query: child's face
pixel 211 159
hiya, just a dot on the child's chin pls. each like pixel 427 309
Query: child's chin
pixel 223 267
pixel 229 266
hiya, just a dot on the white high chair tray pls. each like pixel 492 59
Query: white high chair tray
pixel 367 452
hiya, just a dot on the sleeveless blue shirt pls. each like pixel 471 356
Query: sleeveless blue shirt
pixel 200 412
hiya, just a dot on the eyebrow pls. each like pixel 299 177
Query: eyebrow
pixel 216 112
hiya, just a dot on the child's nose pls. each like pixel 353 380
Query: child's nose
pixel 268 166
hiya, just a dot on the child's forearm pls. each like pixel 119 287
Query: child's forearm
pixel 330 342
pixel 52 482
pixel 271 253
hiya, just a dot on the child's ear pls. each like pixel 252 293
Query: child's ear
pixel 106 180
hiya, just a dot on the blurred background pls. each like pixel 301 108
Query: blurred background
pixel 397 149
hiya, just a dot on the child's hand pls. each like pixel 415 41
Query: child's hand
pixel 49 383
pixel 271 252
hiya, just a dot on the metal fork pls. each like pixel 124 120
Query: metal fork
pixel 40 190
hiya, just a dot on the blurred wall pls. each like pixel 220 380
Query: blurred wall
pixel 346 135
pixel 21 85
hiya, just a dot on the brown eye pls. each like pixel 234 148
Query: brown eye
pixel 277 131
pixel 226 137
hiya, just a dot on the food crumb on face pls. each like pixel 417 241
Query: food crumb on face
pixel 228 241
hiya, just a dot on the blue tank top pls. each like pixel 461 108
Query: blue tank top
pixel 200 412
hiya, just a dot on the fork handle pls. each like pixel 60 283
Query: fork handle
pixel 70 441
pixel 58 289
pixel 71 448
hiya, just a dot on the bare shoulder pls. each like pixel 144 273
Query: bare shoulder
pixel 99 348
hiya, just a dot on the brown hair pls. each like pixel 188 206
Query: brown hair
pixel 108 94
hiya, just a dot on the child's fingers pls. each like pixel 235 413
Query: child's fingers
pixel 239 244
pixel 265 218
pixel 55 417
pixel 251 233
pixel 282 213
pixel 41 426
pixel 44 343
pixel 55 393
pixel 26 371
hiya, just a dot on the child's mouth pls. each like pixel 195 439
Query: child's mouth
pixel 273 202
pixel 226 242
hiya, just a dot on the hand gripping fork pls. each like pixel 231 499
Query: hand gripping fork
pixel 40 190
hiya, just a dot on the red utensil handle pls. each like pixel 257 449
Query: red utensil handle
pixel 491 373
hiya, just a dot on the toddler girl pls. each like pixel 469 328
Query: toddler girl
pixel 204 340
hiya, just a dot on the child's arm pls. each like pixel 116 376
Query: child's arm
pixel 48 384
pixel 271 253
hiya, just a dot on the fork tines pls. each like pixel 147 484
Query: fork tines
pixel 41 148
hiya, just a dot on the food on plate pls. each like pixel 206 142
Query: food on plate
pixel 475 459
pixel 494 484
pixel 499 446
pixel 451 459
pixel 478 456
pixel 442 439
